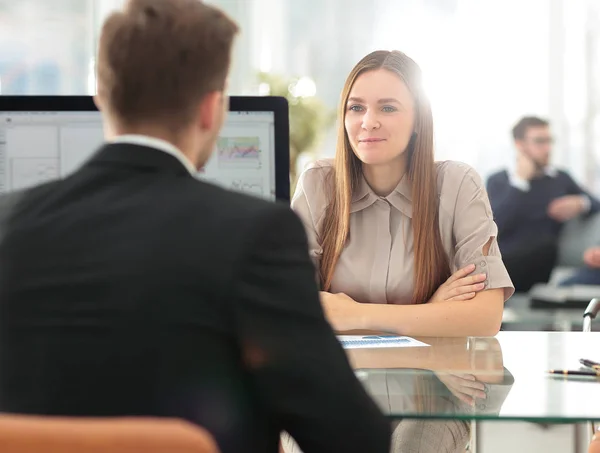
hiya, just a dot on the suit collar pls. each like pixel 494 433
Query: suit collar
pixel 400 198
pixel 156 143
pixel 141 157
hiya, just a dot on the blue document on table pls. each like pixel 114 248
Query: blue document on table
pixel 378 341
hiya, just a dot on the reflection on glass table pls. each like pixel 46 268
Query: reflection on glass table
pixel 432 382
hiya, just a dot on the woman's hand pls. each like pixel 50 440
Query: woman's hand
pixel 342 312
pixel 464 386
pixel 460 286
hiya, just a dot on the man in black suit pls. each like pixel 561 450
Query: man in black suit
pixel 133 288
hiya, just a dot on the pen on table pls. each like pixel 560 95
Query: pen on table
pixel 576 372
pixel 590 364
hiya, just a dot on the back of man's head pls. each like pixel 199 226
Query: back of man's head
pixel 157 60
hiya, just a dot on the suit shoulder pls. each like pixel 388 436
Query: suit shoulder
pixel 235 205
pixel 10 199
pixel 252 223
pixel 25 197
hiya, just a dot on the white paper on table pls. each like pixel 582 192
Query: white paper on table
pixel 378 341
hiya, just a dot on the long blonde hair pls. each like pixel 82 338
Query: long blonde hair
pixel 431 262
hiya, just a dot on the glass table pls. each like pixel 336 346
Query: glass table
pixel 429 382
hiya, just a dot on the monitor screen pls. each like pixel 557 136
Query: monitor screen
pixel 243 158
pixel 50 138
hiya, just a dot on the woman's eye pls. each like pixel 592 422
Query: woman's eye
pixel 355 108
pixel 389 109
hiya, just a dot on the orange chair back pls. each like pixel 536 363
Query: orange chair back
pixel 595 444
pixel 32 434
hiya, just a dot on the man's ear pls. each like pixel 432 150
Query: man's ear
pixel 519 144
pixel 210 107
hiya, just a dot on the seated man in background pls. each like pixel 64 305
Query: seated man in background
pixel 133 288
pixel 531 202
pixel 589 275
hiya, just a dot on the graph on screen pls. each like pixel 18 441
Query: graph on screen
pixel 239 152
pixel 248 185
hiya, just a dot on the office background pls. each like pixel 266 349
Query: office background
pixel 485 62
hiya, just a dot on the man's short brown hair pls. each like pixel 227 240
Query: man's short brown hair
pixel 520 129
pixel 157 59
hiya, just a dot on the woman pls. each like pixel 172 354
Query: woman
pixel 402 244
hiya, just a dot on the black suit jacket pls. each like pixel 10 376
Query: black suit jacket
pixel 132 288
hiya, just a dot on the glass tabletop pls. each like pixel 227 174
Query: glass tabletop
pixel 518 315
pixel 435 381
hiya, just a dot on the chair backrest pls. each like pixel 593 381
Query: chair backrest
pixel 32 434
pixel 578 235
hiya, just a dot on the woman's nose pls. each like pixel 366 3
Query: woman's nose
pixel 369 121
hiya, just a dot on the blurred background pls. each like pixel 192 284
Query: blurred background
pixel 485 64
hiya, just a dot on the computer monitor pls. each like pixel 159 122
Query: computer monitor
pixel 48 137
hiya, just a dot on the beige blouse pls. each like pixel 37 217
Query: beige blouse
pixel 377 264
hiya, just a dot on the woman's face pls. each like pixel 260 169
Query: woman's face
pixel 379 117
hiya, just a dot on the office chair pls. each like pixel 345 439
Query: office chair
pixel 35 434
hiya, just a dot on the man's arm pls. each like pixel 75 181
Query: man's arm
pixel 298 366
pixel 506 200
pixel 592 204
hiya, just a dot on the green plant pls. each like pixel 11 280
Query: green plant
pixel 309 117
